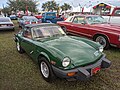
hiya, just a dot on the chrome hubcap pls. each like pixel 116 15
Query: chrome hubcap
pixel 101 40
pixel 44 69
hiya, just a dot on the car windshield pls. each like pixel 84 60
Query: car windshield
pixel 47 31
pixel 4 20
pixel 95 20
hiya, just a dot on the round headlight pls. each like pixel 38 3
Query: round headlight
pixel 66 62
pixel 101 49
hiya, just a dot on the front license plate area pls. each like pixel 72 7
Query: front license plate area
pixel 95 70
pixel 33 22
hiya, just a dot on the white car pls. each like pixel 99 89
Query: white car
pixel 6 24
pixel 2 15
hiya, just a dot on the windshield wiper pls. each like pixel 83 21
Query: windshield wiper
pixel 55 35
pixel 42 37
pixel 39 37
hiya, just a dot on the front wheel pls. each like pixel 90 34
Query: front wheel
pixel 46 70
pixel 103 41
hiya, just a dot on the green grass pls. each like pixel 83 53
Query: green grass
pixel 19 72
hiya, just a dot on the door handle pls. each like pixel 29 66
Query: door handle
pixel 31 52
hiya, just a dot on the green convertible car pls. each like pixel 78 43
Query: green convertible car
pixel 59 55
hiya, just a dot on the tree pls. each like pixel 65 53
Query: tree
pixel 65 7
pixel 6 10
pixel 50 6
pixel 22 5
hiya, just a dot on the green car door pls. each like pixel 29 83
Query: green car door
pixel 27 42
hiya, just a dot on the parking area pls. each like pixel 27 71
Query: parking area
pixel 19 72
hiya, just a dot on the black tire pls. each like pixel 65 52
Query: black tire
pixel 49 77
pixel 19 49
pixel 20 26
pixel 103 40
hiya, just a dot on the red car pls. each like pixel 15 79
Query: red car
pixel 93 27
pixel 38 16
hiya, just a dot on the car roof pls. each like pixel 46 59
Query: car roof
pixel 86 15
pixel 29 16
pixel 41 24
pixel 12 15
pixel 4 18
pixel 50 12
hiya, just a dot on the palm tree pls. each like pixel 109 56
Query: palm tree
pixel 65 7
pixel 21 5
pixel 50 5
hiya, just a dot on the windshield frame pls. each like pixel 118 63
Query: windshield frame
pixel 69 19
pixel 50 36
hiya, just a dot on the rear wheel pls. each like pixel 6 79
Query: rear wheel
pixel 19 49
pixel 46 70
pixel 103 40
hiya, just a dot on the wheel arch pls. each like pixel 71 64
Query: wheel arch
pixel 46 60
pixel 101 34
pixel 43 54
pixel 64 28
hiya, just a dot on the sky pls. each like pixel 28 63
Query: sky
pixel 73 3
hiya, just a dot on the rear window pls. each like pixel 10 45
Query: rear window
pixel 4 20
pixel 51 14
pixel 117 12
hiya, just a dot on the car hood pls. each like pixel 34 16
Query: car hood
pixel 108 27
pixel 78 51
